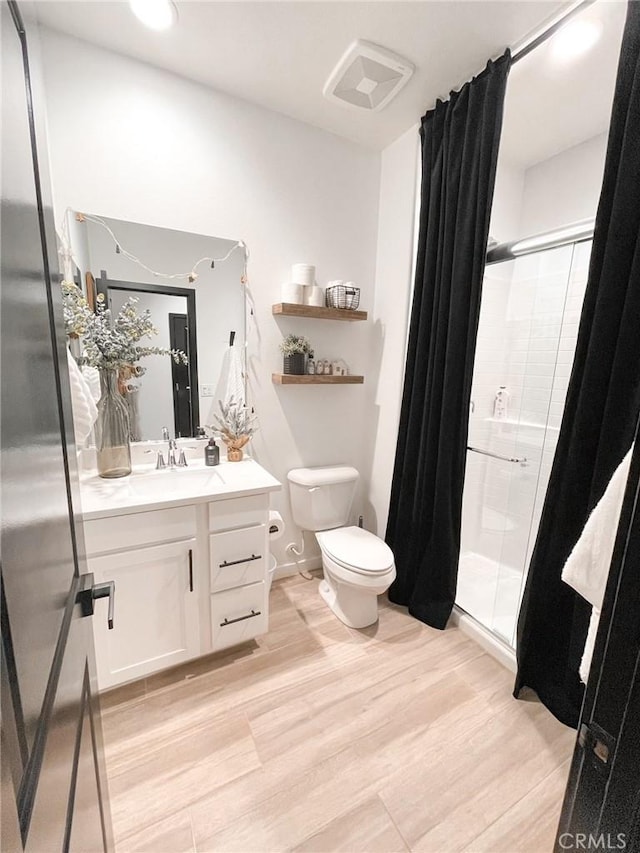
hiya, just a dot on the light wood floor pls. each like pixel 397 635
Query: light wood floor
pixel 320 738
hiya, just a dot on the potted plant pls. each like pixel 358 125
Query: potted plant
pixel 294 348
pixel 112 346
pixel 237 423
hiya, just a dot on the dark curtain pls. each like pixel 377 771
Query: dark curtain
pixel 601 408
pixel 459 152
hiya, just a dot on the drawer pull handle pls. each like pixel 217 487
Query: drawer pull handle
pixel 240 618
pixel 224 564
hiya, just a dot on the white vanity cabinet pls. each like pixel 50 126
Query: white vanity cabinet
pixel 156 614
pixel 189 580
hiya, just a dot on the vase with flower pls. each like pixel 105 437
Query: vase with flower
pixel 111 344
pixel 236 424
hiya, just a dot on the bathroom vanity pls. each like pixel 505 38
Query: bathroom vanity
pixel 188 552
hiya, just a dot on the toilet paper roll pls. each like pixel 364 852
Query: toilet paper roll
pixel 276 525
pixel 293 293
pixel 303 274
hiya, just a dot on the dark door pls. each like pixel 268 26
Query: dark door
pixel 601 810
pixel 53 784
pixel 179 338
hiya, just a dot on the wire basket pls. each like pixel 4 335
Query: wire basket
pixel 342 296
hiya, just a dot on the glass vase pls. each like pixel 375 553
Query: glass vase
pixel 113 450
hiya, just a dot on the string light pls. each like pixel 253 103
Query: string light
pixel 191 276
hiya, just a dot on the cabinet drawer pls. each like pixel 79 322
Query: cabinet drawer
pixel 237 615
pixel 237 557
pixel 238 512
pixel 138 529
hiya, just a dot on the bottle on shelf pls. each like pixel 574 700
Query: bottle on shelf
pixel 501 404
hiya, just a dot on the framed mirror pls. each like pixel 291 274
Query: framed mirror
pixel 191 286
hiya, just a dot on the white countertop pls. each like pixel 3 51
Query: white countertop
pixel 147 489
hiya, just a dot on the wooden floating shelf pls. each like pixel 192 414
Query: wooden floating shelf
pixel 306 379
pixel 291 309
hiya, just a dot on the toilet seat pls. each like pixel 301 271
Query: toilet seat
pixel 356 550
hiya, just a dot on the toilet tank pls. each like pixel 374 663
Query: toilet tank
pixel 321 498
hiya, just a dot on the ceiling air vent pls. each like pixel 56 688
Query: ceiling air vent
pixel 367 76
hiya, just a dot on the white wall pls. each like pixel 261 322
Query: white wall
pixel 564 188
pixel 549 194
pixel 395 259
pixel 137 143
pixel 506 211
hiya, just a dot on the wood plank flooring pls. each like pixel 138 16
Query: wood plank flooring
pixel 320 738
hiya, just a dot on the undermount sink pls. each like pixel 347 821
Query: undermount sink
pixel 156 484
pixel 147 487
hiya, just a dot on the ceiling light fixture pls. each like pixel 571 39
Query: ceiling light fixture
pixel 574 39
pixel 155 14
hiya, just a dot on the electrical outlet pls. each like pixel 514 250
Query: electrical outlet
pixel 207 390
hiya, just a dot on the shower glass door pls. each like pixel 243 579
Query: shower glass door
pixel 526 341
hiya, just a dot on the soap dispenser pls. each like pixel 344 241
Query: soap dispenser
pixel 212 453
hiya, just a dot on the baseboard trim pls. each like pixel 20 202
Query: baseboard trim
pixel 499 650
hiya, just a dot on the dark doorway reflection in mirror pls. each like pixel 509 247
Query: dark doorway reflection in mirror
pixel 163 395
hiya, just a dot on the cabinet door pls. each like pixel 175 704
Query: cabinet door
pixel 156 611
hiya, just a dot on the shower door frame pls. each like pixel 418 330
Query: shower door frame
pixel 578 232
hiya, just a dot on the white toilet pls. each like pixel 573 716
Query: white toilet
pixel 358 566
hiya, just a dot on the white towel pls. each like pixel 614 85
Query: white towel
pixel 587 568
pixel 231 381
pixel 84 408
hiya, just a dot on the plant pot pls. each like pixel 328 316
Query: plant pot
pixel 235 452
pixel 294 364
pixel 113 450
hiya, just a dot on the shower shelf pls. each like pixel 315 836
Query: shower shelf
pixel 291 309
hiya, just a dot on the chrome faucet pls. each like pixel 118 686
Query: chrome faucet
pixel 171 453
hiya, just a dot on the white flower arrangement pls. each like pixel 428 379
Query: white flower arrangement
pixel 108 343
pixel 295 344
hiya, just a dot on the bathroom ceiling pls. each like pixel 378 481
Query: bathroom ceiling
pixel 279 54
pixel 552 105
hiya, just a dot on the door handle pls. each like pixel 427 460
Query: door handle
pixel 190 570
pixel 89 592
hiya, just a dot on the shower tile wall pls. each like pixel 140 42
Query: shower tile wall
pixel 526 341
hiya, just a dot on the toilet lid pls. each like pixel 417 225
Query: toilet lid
pixel 356 549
